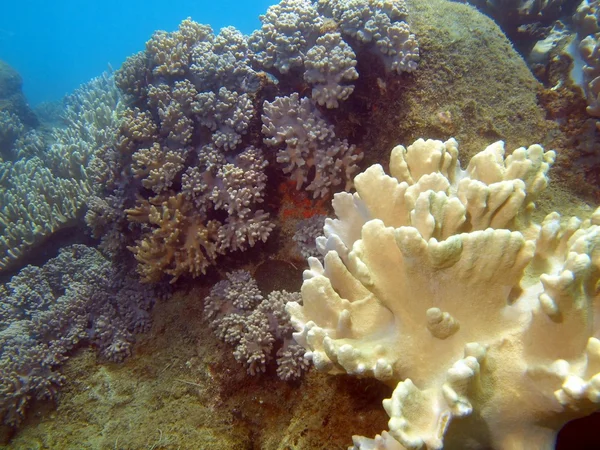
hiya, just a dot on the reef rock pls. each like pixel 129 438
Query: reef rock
pixel 11 96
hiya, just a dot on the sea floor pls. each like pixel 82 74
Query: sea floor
pixel 182 389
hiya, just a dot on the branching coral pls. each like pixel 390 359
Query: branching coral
pixel 179 241
pixel 309 149
pixel 157 167
pixel 255 325
pixel 183 233
pixel 288 30
pixel 47 191
pixel 223 62
pixel 195 94
pixel 185 138
pixel 190 203
pixel 436 281
pixel 170 53
pixel 35 203
pixel 226 113
pixel 77 297
pixel 329 63
pixel 92 115
pixel 314 38
pixel 380 24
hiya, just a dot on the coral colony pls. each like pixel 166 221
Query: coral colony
pixel 433 279
pixel 160 160
pixel 436 281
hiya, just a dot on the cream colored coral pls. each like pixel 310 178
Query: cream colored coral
pixel 157 167
pixel 170 53
pixel 436 281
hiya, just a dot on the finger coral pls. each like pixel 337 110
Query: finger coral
pixel 183 232
pixel 437 281
pixel 310 151
pixel 255 325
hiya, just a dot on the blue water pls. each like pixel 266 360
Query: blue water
pixel 56 46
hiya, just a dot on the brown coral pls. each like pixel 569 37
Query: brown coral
pixel 179 241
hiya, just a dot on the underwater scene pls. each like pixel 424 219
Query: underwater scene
pixel 340 224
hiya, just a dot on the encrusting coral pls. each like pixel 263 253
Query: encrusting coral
pixel 437 281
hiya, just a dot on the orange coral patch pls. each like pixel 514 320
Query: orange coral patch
pixel 298 204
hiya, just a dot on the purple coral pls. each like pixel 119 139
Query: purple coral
pixel 307 231
pixel 309 150
pixel 78 297
pixel 235 187
pixel 241 316
pixel 316 39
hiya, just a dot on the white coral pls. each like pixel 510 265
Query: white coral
pixel 436 281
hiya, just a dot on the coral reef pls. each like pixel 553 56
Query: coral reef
pixel 413 264
pixel 199 181
pixel 78 297
pixel 183 232
pixel 194 97
pixel 259 328
pixel 46 188
pixel 446 284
